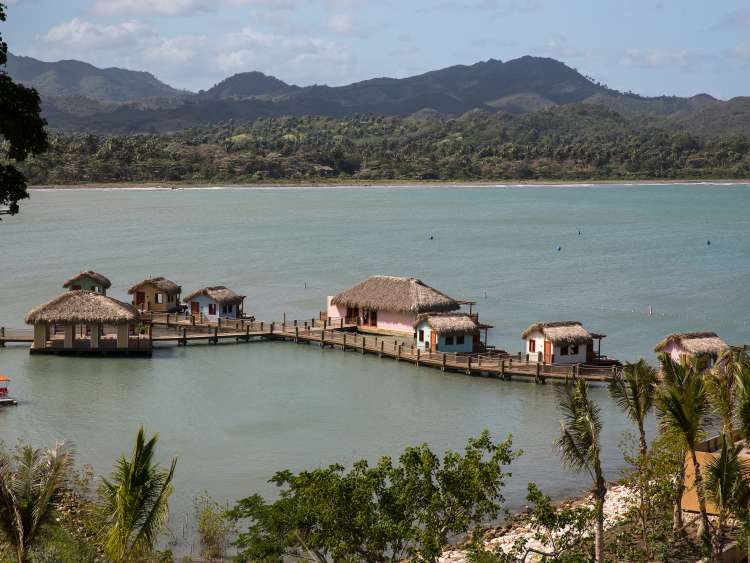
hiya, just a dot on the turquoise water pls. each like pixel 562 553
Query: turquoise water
pixel 235 414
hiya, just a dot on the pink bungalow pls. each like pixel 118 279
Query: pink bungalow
pixel 388 304
pixel 682 346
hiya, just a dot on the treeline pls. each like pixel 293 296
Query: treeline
pixel 579 142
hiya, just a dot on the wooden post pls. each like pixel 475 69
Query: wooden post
pixel 343 347
pixel 341 322
pixel 382 345
pixel 398 356
pixel 323 338
pixel 167 320
pixel 296 334
pixel 2 337
pixel 295 322
pixel 364 341
pixel 283 322
pixel 442 368
pixel 417 356
pixel 468 367
pixel 261 326
pixel 216 335
pixel 272 323
pixel 247 333
pixel 218 322
pixel 192 320
pixel 184 336
pixel 502 369
pixel 538 369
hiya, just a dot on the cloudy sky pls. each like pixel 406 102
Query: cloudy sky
pixel 652 47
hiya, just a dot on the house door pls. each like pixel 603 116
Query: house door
pixel 476 343
pixel 373 318
pixel 433 341
pixel 140 297
pixel 195 308
pixel 547 352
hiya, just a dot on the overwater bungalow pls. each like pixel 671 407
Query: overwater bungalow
pixel 447 332
pixel 682 346
pixel 156 294
pixel 561 342
pixel 215 302
pixel 89 281
pixel 86 322
pixel 388 304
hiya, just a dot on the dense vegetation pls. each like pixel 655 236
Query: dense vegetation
pixel 411 508
pixel 578 142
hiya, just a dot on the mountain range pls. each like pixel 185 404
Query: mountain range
pixel 77 96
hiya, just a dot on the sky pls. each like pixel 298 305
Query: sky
pixel 651 47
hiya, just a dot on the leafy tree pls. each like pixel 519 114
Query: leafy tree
pixel 727 488
pixel 22 129
pixel 134 503
pixel 31 482
pixel 387 512
pixel 580 448
pixel 635 394
pixel 682 405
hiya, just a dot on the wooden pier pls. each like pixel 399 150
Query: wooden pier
pixel 183 329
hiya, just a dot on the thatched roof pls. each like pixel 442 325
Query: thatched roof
pixel 99 279
pixel 222 295
pixel 159 282
pixel 560 332
pixel 85 307
pixel 390 293
pixel 694 343
pixel 449 323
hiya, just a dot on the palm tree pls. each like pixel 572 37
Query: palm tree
pixel 739 365
pixel 580 448
pixel 682 408
pixel 31 482
pixel 721 386
pixel 135 502
pixel 635 393
pixel 727 488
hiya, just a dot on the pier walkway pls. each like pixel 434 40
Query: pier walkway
pixel 182 329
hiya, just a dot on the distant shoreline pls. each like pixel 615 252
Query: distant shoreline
pixel 384 183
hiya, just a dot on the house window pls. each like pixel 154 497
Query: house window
pixel 159 298
pixel 449 341
pixel 212 308
pixel 223 309
pixel 563 350
pixel 229 308
pixel 460 340
pixel 573 350
pixel 532 346
pixel 421 336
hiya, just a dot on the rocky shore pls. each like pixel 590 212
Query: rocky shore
pixel 619 500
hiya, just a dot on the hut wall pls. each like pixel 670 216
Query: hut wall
pixel 170 304
pixel 392 321
pixel 538 339
pixel 41 333
pixel 123 338
pixel 87 284
pixel 427 331
pixel 69 334
pixel 203 307
pixel 579 358
pixel 675 352
pixel 442 346
pixel 95 335
pixel 334 311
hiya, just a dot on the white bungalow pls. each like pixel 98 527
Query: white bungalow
pixel 89 281
pixel 388 304
pixel 215 302
pixel 447 332
pixel 682 346
pixel 560 342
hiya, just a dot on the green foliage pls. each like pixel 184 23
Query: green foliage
pixel 31 483
pixel 386 512
pixel 21 131
pixel 214 528
pixel 134 503
pixel 576 142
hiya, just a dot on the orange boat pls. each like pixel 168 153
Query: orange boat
pixel 4 399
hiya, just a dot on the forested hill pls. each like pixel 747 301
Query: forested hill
pixel 573 142
pixel 79 97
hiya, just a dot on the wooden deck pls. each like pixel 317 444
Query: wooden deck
pixel 336 334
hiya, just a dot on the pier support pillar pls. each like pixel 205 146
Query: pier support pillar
pixel 442 366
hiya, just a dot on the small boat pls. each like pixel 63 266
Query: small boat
pixel 5 401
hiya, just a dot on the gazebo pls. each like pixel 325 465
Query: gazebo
pixel 91 323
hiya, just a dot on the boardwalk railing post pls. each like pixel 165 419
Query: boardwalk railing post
pixel 382 345
pixel 272 327
pixel 216 335
pixel 398 356
pixel 417 356
pixel 296 334
pixel 323 338
pixel 442 368
pixel 184 336
pixel 502 369
pixel 468 367
pixel 261 326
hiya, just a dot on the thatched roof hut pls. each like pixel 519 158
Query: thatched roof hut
pixel 82 307
pixel 161 283
pixel 449 323
pixel 391 293
pixel 219 293
pixel 560 332
pixel 697 343
pixel 97 278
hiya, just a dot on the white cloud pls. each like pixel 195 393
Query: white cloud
pixel 670 59
pixel 81 34
pixel 179 7
pixel 341 23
